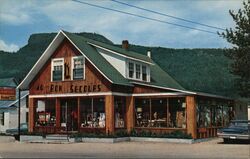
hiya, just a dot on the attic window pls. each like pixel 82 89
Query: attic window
pixel 144 73
pixel 57 69
pixel 138 71
pixel 78 67
pixel 131 69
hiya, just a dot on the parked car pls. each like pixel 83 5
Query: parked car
pixel 14 131
pixel 237 130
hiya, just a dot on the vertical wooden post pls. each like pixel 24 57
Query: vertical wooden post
pixel 58 113
pixel 109 110
pixel 130 116
pixel 32 112
pixel 191 116
pixel 78 114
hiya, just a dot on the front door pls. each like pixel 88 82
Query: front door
pixel 69 114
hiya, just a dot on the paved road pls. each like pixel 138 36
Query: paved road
pixel 213 150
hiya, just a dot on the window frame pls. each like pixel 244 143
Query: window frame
pixel 135 72
pixel 52 68
pixel 72 67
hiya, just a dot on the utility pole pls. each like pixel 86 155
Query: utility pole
pixel 19 113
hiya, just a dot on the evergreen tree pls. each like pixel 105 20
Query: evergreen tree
pixel 240 53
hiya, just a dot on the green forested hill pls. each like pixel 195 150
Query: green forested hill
pixel 18 64
pixel 203 70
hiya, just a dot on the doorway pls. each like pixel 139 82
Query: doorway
pixel 69 114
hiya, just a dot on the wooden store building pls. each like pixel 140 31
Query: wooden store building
pixel 82 85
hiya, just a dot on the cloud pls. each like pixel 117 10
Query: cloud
pixel 77 17
pixel 8 47
pixel 14 12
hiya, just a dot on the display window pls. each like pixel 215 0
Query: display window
pixel 45 113
pixel 213 113
pixel 177 113
pixel 120 108
pixel 92 112
pixel 167 112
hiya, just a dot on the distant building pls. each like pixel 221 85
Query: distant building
pixel 9 105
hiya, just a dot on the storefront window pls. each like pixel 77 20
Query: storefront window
pixel 217 115
pixel 228 114
pixel 213 113
pixel 92 112
pixel 120 112
pixel 177 112
pixel 204 114
pixel 142 113
pixel 160 113
pixel 45 113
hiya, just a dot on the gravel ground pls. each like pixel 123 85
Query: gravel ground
pixel 212 149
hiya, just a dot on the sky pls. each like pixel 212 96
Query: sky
pixel 21 18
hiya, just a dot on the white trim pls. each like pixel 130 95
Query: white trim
pixel 39 59
pixel 86 57
pixel 117 53
pixel 172 89
pixel 106 93
pixel 158 94
pixel 79 94
pixel 52 68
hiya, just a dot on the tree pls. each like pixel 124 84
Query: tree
pixel 240 53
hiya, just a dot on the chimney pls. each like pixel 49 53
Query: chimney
pixel 149 54
pixel 125 44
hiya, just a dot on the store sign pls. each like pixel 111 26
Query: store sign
pixel 58 88
pixel 7 94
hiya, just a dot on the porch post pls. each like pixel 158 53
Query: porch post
pixel 109 110
pixel 58 113
pixel 31 114
pixel 191 116
pixel 130 116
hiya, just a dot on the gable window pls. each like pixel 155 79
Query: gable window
pixel 131 69
pixel 78 68
pixel 144 73
pixel 57 69
pixel 138 71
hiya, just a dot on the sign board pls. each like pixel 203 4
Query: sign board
pixel 7 94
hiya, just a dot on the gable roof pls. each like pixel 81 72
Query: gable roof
pixel 8 82
pixel 97 59
pixel 159 78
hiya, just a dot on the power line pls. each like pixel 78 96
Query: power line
pixel 167 15
pixel 144 17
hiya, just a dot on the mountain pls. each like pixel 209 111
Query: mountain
pixel 202 70
pixel 19 63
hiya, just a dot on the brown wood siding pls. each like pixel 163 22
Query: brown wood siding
pixel 93 82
